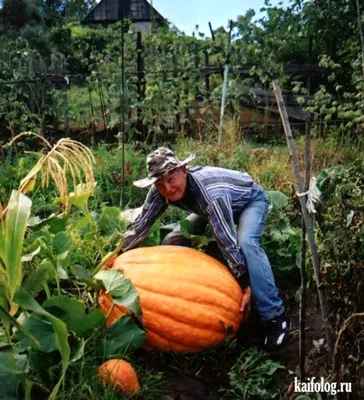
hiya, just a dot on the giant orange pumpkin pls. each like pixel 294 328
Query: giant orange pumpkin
pixel 189 300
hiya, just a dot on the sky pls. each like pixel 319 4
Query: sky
pixel 186 14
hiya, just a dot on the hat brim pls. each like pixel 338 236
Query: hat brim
pixel 145 182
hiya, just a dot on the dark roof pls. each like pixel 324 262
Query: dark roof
pixel 112 11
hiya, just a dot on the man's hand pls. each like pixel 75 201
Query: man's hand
pixel 245 304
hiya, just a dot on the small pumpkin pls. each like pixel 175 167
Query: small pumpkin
pixel 121 374
pixel 190 301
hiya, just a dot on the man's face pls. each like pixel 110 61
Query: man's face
pixel 173 186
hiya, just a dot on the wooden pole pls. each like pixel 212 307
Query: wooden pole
pixel 224 87
pixel 207 76
pixel 43 96
pixel 306 216
pixel 302 307
pixel 141 82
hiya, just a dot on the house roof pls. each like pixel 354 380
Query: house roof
pixel 112 10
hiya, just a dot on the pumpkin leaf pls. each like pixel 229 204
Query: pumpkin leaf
pixel 110 221
pixel 130 300
pixel 35 281
pixel 121 337
pixel 9 387
pixel 12 363
pixel 73 314
pixel 115 283
pixel 278 199
pixel 42 330
pixel 62 242
pixel 4 316
pixel 46 366
pixel 26 301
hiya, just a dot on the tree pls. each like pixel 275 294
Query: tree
pixel 15 14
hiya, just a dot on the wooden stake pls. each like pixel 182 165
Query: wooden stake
pixel 302 308
pixel 308 220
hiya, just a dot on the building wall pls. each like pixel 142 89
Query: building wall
pixel 144 27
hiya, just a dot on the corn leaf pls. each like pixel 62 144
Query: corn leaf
pixel 12 239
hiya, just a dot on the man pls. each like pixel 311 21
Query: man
pixel 223 198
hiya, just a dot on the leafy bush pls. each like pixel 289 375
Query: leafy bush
pixel 341 247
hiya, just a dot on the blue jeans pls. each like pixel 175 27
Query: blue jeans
pixel 250 227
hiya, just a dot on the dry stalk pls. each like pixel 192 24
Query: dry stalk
pixel 66 157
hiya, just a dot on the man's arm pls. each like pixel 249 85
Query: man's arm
pixel 153 207
pixel 222 222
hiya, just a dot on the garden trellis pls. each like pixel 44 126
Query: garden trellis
pixel 165 83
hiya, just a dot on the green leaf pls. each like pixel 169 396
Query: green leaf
pixel 73 314
pixel 81 272
pixel 56 223
pixel 8 387
pixel 26 301
pixel 187 226
pixel 62 242
pixel 110 221
pixel 39 327
pixel 4 316
pixel 80 197
pixel 130 300
pixel 278 199
pixel 12 363
pixel 35 281
pixel 115 283
pixel 62 273
pixel 12 238
pixel 79 351
pixel 46 366
pixel 30 256
pixel 122 336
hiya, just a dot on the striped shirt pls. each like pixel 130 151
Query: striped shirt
pixel 216 194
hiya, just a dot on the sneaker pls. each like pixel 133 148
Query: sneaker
pixel 277 332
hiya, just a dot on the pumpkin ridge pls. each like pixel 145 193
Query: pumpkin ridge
pixel 175 346
pixel 229 314
pixel 184 333
pixel 205 285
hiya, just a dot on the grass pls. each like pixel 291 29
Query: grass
pixel 269 165
pixel 80 112
pixel 229 369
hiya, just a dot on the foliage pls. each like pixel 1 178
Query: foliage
pixel 341 235
pixel 171 95
pixel 251 376
pixel 66 325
